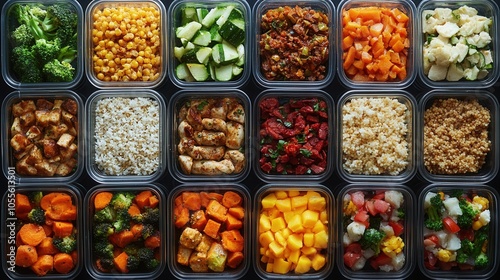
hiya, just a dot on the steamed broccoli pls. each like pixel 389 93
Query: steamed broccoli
pixel 401 213
pixel 35 197
pixel 480 237
pixel 103 230
pixel 433 212
pixel 469 213
pixel 63 20
pixel 67 54
pixel 37 216
pixel 145 254
pixel 481 260
pixel 152 264
pixel 104 249
pixel 65 244
pixel 47 50
pixel 22 36
pixel 122 220
pixel 147 230
pixel 26 65
pixel 151 215
pixel 132 262
pixel 122 200
pixel 465 252
pixel 372 239
pixel 57 71
pixel 105 215
pixel 107 264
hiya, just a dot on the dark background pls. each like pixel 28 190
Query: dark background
pixel 166 89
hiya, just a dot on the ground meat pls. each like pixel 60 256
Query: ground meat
pixel 456 136
pixel 374 136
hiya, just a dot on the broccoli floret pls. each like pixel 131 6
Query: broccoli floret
pixel 375 222
pixel 401 213
pixel 371 239
pixel 458 193
pixel 26 15
pixel 22 36
pixel 122 220
pixel 147 230
pixel 65 244
pixel 469 213
pixel 104 249
pixel 122 200
pixel 38 11
pixel 462 257
pixel 35 197
pixel 103 230
pixel 67 54
pixel 479 238
pixel 481 260
pixel 47 50
pixel 433 212
pixel 152 264
pixel 132 262
pixel 107 264
pixel 107 214
pixel 25 65
pixel 145 254
pixel 64 20
pixel 37 216
pixel 151 215
pixel 465 252
pixel 57 71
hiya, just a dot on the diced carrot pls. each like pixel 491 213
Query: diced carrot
pixel 217 211
pixel 31 234
pixel 234 259
pixel 46 199
pixel 231 199
pixel 366 57
pixel 120 262
pixel 399 15
pixel 74 256
pixel 46 247
pixel 198 220
pixel 136 230
pixel 181 216
pixel 62 229
pixel 358 64
pixel 398 46
pixel 347 42
pixel 102 200
pixel 122 238
pixel 349 59
pixel 61 208
pixel 48 230
pixel 142 198
pixel 233 223
pixel 19 242
pixel 23 205
pixel 232 240
pixel 191 200
pixel 26 255
pixel 153 242
pixel 212 228
pixel 63 263
pixel 370 13
pixel 43 265
pixel 134 210
pixel 237 212
pixel 153 201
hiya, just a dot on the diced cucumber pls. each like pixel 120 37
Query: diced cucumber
pixel 237 70
pixel 241 55
pixel 189 46
pixel 224 16
pixel 199 71
pixel 202 38
pixel 190 56
pixel 235 14
pixel 211 68
pixel 184 41
pixel 187 31
pixel 182 71
pixel 179 52
pixel 214 32
pixel 212 16
pixel 188 14
pixel 201 13
pixel 203 55
pixel 224 54
pixel 233 31
pixel 224 73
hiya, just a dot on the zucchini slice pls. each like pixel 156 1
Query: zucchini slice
pixel 199 71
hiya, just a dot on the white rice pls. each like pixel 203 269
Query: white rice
pixel 127 136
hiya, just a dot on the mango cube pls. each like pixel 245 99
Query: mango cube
pixel 293 193
pixel 294 256
pixel 281 194
pixel 266 238
pixel 299 201
pixel 299 210
pixel 281 266
pixel 303 265
pixel 277 224
pixel 309 218
pixel 319 226
pixel 321 239
pixel 312 194
pixel 286 232
pixel 295 224
pixel 264 223
pixel 288 216
pixel 318 261
pixel 309 239
pixel 294 242
pixel 323 217
pixel 276 249
pixel 269 201
pixel 287 253
pixel 309 251
pixel 280 239
pixel 264 259
pixel 316 203
pixel 262 251
pixel 273 213
pixel 284 205
pixel 269 267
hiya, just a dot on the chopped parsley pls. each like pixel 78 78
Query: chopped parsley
pixel 202 105
pixel 301 138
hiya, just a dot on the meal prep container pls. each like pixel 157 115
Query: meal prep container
pixel 407 7
pixel 287 192
pixel 90 257
pixel 410 120
pixel 177 102
pixel 407 236
pixel 7 22
pixel 284 97
pixel 174 233
pixel 490 168
pixel 92 168
pixel 174 21
pixel 260 8
pixel 8 153
pixel 101 5
pixel 12 225
pixel 485 8
pixel 492 243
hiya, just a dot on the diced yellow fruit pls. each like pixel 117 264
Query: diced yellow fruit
pixel 284 205
pixel 281 194
pixel 308 251
pixel 295 224
pixel 280 239
pixel 269 267
pixel 323 217
pixel 276 249
pixel 266 238
pixel 319 226
pixel 299 210
pixel 262 251
pixel 286 253
pixel 288 216
pixel 294 241
pixel 274 213
pixel 264 259
pixel 309 218
pixel 264 223
pixel 286 232
pixel 293 193
pixel 309 239
pixel 318 261
pixel 303 265
pixel 294 256
pixel 312 193
pixel 316 203
pixel 277 224
pixel 269 253
pixel 269 201
pixel 321 239
pixel 299 201
pixel 281 266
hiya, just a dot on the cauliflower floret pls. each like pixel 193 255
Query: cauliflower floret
pixel 437 72
pixel 346 240
pixel 359 264
pixel 443 15
pixel 448 29
pixel 455 73
pixel 386 267
pixel 442 237
pixel 427 199
pixel 368 253
pixel 398 261
pixel 452 207
pixel 453 243
pixel 484 217
pixel 466 10
pixel 355 231
pixel 395 198
pixel 392 246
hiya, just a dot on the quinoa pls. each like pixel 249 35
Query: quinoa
pixel 127 136
pixel 374 138
pixel 456 136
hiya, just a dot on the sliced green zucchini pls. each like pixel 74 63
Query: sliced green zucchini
pixel 212 16
pixel 224 53
pixel 188 14
pixel 211 69
pixel 203 55
pixel 179 52
pixel 187 31
pixel 190 56
pixel 241 55
pixel 214 32
pixel 182 71
pixel 225 15
pixel 199 71
pixel 201 13
pixel 202 38
pixel 224 73
pixel 233 31
pixel 237 70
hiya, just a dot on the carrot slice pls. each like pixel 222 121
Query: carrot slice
pixel 102 200
pixel 31 234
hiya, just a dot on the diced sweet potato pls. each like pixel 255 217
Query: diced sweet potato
pixel 212 228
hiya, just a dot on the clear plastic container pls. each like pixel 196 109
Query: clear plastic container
pixel 155 190
pixel 134 60
pixel 405 6
pixel 211 167
pixel 484 8
pixel 366 171
pixel 209 191
pixel 175 12
pixel 14 221
pixel 489 169
pixel 9 24
pixel 326 7
pixel 47 164
pixel 322 250
pixel 141 171
pixel 401 195
pixel 274 154
pixel 491 231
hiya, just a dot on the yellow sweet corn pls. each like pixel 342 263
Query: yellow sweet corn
pixel 392 246
pixel 445 255
pixel 483 201
pixel 350 208
pixel 441 194
pixel 476 225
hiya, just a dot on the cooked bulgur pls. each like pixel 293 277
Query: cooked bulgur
pixel 456 136
pixel 127 136
pixel 374 136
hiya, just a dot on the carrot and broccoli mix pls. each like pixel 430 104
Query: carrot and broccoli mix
pixel 210 229
pixel 46 238
pixel 126 236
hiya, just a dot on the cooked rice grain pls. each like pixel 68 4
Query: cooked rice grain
pixel 127 136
